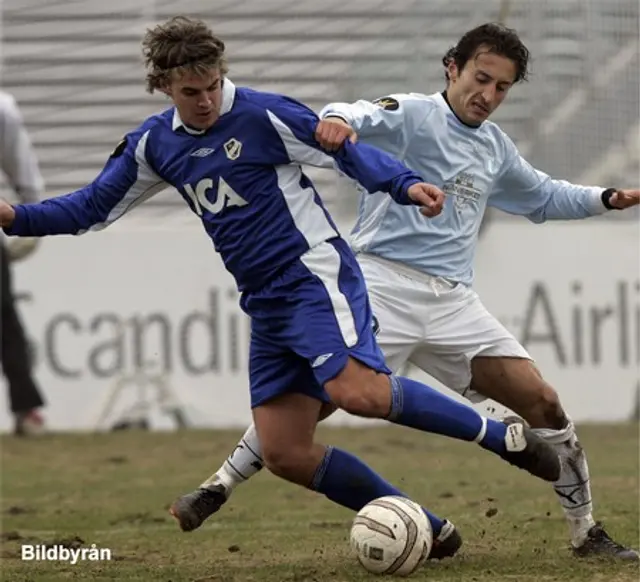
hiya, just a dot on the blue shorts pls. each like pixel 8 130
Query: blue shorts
pixel 307 322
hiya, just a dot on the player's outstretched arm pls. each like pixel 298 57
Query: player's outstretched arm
pixel 522 189
pixel 126 181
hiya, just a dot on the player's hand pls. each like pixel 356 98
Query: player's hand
pixel 428 197
pixel 7 214
pixel 20 248
pixel 332 132
pixel 625 199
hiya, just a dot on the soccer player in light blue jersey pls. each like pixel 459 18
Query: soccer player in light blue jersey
pixel 419 273
pixel 235 156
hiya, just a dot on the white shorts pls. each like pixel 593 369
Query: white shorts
pixel 434 324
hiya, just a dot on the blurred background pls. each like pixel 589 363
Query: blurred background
pixel 103 316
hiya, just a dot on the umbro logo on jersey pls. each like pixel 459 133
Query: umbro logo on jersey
pixel 202 152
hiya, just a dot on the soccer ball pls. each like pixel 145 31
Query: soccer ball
pixel 391 535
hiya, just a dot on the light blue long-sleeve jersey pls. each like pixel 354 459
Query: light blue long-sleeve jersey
pixel 474 166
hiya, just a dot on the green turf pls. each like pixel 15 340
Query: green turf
pixel 113 490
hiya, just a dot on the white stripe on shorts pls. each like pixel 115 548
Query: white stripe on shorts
pixel 323 261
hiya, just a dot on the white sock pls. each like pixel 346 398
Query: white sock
pixel 242 464
pixel 573 488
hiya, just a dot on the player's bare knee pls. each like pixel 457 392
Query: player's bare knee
pixel 357 403
pixel 552 410
pixel 284 462
pixel 366 395
pixel 546 410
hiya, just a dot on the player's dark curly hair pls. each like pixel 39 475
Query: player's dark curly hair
pixel 498 39
pixel 181 44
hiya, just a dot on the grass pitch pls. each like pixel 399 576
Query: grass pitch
pixel 113 490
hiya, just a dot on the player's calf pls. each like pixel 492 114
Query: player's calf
pixel 287 446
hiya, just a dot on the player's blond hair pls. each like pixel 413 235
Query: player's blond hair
pixel 180 45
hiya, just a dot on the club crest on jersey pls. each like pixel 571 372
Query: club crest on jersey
pixel 233 148
pixel 463 191
pixel 388 103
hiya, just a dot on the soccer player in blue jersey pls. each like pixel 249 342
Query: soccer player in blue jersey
pixel 419 273
pixel 235 156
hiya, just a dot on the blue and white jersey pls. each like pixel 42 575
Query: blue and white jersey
pixel 475 166
pixel 242 177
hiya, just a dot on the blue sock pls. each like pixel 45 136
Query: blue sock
pixel 419 406
pixel 347 481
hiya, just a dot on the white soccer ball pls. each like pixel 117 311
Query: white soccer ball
pixel 391 535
